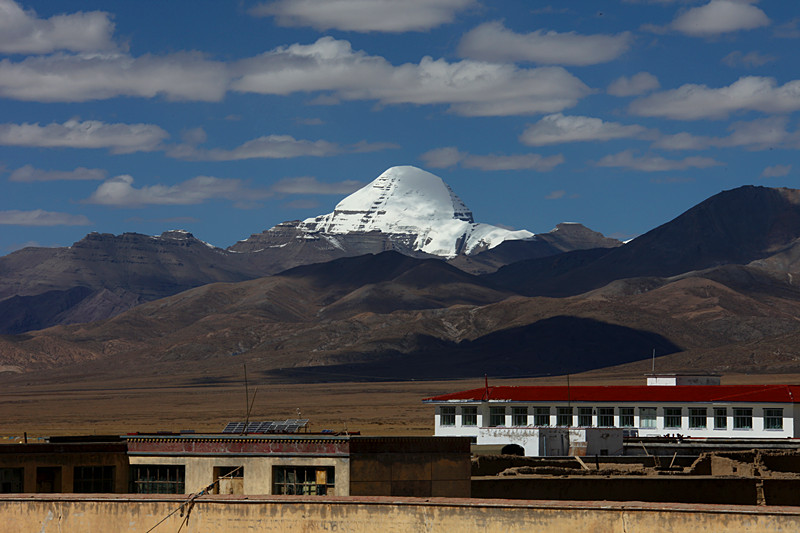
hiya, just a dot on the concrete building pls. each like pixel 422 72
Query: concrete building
pixel 527 416
pixel 287 464
pixel 79 467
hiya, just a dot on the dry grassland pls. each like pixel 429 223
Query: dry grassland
pixel 93 405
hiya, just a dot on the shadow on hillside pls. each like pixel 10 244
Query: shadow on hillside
pixel 553 346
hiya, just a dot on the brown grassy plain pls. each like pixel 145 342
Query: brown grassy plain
pixel 58 404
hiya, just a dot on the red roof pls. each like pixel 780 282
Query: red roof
pixel 678 394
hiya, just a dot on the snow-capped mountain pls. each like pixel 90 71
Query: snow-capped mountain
pixel 413 208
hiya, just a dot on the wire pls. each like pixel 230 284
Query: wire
pixel 190 501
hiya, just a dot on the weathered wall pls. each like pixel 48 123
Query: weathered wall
pixel 221 514
pixel 683 489
pixel 410 466
pixel 67 457
pixel 257 470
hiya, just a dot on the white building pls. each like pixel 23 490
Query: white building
pixel 517 415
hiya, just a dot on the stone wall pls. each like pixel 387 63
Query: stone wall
pixel 222 514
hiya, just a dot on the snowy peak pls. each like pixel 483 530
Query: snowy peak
pixel 399 199
pixel 415 207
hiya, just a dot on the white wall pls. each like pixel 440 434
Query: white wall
pixel 791 418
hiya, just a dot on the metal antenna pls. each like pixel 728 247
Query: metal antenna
pixel 246 401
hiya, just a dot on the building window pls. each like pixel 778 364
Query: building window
pixel 647 418
pixel 93 479
pixel 48 479
pixel 605 417
pixel 743 418
pixel 447 416
pixel 697 418
pixel 564 417
pixel 773 418
pixel 158 479
pixel 497 416
pixel 541 416
pixel 519 416
pixel 313 480
pixel 626 417
pixel 720 418
pixel 469 416
pixel 672 418
pixel 584 416
pixel 12 480
pixel 228 480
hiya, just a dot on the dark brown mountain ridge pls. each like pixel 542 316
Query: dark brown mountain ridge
pixel 738 226
pixel 103 275
pixel 390 315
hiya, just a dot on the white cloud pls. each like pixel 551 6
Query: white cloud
pixel 363 15
pixel 446 157
pixel 120 192
pixel 556 195
pixel 80 78
pixel 788 30
pixel 557 128
pixel 654 163
pixel 450 156
pixel 469 87
pixel 750 59
pixel 310 121
pixel 695 102
pixel 273 147
pixel 310 185
pixel 38 217
pixel 640 83
pixel 194 136
pixel 23 32
pixel 776 171
pixel 683 141
pixel 761 134
pixel 119 138
pixel 757 135
pixel 720 16
pixel 494 42
pixel 30 174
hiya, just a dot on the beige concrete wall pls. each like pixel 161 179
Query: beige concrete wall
pixel 221 514
pixel 257 470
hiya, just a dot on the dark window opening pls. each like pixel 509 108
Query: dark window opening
pixel 12 480
pixel 314 480
pixel 48 479
pixel 158 479
pixel 93 479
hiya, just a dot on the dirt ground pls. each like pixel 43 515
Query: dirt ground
pixel 79 405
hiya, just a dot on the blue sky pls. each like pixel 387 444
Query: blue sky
pixel 226 118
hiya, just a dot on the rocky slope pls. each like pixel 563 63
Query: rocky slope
pixel 748 225
pixel 410 210
pixel 405 209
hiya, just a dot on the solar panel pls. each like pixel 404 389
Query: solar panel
pixel 292 425
pixel 234 427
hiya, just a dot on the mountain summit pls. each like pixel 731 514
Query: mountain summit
pixel 415 210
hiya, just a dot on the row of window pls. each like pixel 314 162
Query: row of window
pixel 565 416
pixel 170 479
pixel 85 479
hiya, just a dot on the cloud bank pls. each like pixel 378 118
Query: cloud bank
pixel 392 16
